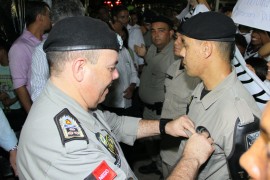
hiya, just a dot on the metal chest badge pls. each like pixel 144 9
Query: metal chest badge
pixel 69 127
pixel 251 138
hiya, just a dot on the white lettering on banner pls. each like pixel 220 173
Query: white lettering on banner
pixel 252 13
pixel 265 16
pixel 104 174
pixel 260 3
pixel 239 12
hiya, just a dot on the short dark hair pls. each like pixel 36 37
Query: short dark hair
pixel 240 40
pixel 227 49
pixel 33 8
pixel 66 8
pixel 259 65
pixel 4 45
pixel 117 9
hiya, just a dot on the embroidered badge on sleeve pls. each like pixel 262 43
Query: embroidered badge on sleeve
pixel 109 143
pixel 69 127
pixel 102 172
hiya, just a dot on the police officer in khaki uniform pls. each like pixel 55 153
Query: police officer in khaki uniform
pixel 151 90
pixel 220 102
pixel 65 136
pixel 178 90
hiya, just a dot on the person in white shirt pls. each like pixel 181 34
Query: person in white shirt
pixel 39 67
pixel 118 99
pixel 120 13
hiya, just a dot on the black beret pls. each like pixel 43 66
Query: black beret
pixel 162 19
pixel 80 33
pixel 210 25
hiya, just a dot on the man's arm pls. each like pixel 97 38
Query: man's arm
pixel 24 98
pixel 177 127
pixel 197 150
pixel 8 140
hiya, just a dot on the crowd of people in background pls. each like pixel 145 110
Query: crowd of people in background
pixel 165 70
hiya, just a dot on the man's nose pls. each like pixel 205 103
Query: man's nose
pixel 115 74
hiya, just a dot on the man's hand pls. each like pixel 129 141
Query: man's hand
pixel 180 126
pixel 140 50
pixel 12 160
pixel 3 96
pixel 198 148
pixel 128 93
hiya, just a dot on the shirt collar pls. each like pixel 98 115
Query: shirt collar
pixel 215 94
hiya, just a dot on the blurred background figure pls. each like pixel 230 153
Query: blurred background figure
pixel 20 54
pixel 9 102
pixel 258 66
pixel 8 141
pixel 241 43
pixel 258 39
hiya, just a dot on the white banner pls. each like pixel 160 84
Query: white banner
pixel 252 13
pixel 254 85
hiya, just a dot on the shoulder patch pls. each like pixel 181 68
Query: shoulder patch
pixel 69 127
pixel 102 172
pixel 244 112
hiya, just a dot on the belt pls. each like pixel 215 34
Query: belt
pixel 157 106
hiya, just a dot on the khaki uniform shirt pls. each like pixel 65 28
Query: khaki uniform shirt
pixel 54 145
pixel 178 90
pixel 153 75
pixel 218 112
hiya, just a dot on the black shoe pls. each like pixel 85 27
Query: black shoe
pixel 150 168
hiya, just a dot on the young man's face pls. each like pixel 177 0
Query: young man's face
pixel 161 34
pixel 256 38
pixel 46 20
pixel 256 161
pixel 192 60
pixel 123 17
pixel 178 45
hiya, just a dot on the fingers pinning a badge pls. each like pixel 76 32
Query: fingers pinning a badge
pixel 202 130
pixel 188 133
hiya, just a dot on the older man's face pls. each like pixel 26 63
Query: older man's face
pixel 256 161
pixel 99 77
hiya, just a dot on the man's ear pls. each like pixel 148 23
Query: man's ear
pixel 78 68
pixel 39 18
pixel 206 49
pixel 171 33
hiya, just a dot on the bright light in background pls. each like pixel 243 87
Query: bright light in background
pixel 111 4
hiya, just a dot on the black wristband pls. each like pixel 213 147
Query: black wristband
pixel 162 124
